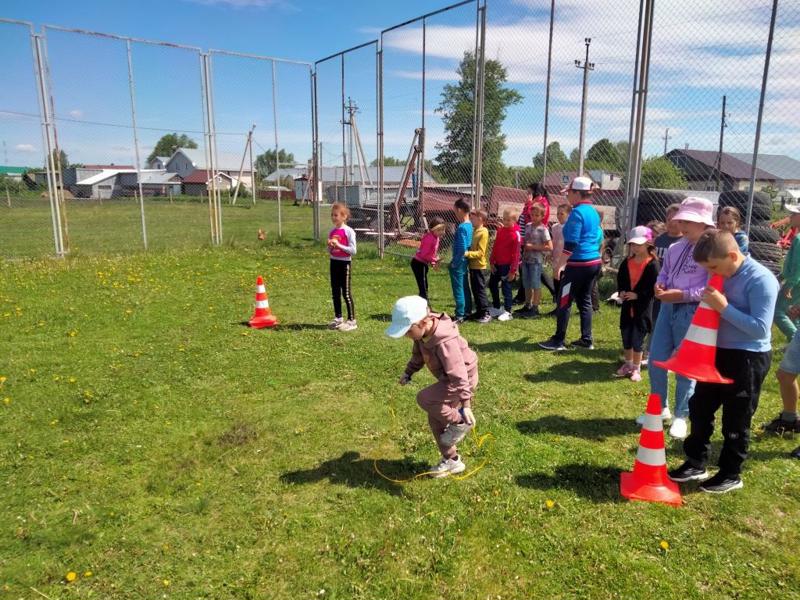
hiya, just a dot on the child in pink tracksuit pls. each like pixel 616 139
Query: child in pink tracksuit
pixel 448 402
pixel 427 256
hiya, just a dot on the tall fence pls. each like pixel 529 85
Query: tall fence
pixel 477 100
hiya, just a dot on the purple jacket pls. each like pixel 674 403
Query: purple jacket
pixel 681 272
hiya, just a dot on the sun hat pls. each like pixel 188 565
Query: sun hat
pixel 583 184
pixel 640 235
pixel 696 210
pixel 406 311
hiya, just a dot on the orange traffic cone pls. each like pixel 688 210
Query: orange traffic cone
pixel 696 356
pixel 649 480
pixel 263 316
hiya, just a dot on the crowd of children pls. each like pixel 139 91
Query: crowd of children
pixel 660 282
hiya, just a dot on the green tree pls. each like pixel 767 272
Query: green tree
pixel 170 142
pixel 556 159
pixel 454 158
pixel 265 163
pixel 659 172
pixel 389 161
pixel 603 152
pixel 574 157
pixel 64 160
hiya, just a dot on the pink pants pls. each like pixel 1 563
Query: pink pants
pixel 442 409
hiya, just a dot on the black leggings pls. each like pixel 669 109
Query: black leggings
pixel 420 270
pixel 340 287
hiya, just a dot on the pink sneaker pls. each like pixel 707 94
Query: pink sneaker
pixel 636 374
pixel 624 370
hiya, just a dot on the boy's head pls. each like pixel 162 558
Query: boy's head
pixel 673 228
pixel 694 217
pixel 536 189
pixel 537 214
pixel 510 216
pixel 408 318
pixel 579 190
pixel 478 218
pixel 657 227
pixel 794 215
pixel 718 252
pixel 562 212
pixel 461 208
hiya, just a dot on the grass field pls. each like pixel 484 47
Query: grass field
pixel 157 448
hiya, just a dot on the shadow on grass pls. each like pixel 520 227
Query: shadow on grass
pixel 598 484
pixel 590 429
pixel 302 326
pixel 381 317
pixel 356 472
pixel 573 371
pixel 520 345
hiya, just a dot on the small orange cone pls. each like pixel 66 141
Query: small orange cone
pixel 263 316
pixel 649 480
pixel 697 354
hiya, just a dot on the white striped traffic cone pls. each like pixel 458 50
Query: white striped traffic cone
pixel 696 356
pixel 263 316
pixel 649 480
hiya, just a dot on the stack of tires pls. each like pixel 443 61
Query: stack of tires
pixel 763 239
pixel 653 204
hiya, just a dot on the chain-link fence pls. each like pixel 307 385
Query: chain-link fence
pixel 475 100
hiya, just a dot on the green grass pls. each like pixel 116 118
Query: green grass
pixel 151 439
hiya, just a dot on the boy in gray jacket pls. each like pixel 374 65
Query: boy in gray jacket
pixel 448 402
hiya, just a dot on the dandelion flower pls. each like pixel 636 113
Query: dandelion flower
pixel 165 582
pixel 549 504
pixel 72 380
pixel 664 545
pixel 71 576
pixel 6 400
pixel 3 379
pixel 87 574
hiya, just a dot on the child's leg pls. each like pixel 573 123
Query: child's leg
pixel 705 401
pixel 336 287
pixel 682 318
pixel 425 269
pixel 494 286
pixel 434 401
pixel 418 268
pixel 786 325
pixel 483 299
pixel 748 370
pixel 661 348
pixel 536 284
pixel 346 292
pixel 508 294
pixel 457 283
pixel 637 346
pixel 467 294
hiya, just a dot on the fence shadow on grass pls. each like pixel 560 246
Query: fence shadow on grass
pixel 353 471
pixel 595 483
pixel 590 429
pixel 574 372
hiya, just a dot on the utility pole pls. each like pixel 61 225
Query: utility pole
pixel 722 125
pixel 351 109
pixel 586 66
pixel 666 139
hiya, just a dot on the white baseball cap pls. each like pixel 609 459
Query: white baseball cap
pixel 406 311
pixel 640 235
pixel 583 184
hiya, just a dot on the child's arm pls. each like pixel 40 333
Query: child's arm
pixel 457 376
pixel 416 362
pixel 350 248
pixel 760 296
pixel 481 243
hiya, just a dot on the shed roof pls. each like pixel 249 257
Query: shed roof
pixel 781 166
pixel 103 175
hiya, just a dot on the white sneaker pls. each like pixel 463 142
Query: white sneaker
pixel 348 325
pixel 454 433
pixel 335 323
pixel 678 429
pixel 495 312
pixel 505 316
pixel 665 416
pixel 447 467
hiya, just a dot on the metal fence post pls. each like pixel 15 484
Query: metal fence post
pixel 757 141
pixel 277 158
pixel 547 89
pixel 380 140
pixel 480 86
pixel 136 139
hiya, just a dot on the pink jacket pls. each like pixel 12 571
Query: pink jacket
pixel 448 356
pixel 428 247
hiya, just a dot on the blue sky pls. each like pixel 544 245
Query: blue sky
pixel 701 51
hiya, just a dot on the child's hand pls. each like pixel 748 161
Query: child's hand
pixel 530 247
pixel 629 295
pixel 787 293
pixel 405 379
pixel 794 311
pixel 435 265
pixel 714 298
pixel 468 416
pixel 668 295
pixel 511 276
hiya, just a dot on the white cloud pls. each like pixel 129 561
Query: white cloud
pixel 28 148
pixel 76 113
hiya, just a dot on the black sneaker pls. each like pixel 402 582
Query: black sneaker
pixel 552 345
pixel 687 472
pixel 531 313
pixel 521 311
pixel 722 483
pixel 585 344
pixel 795 453
pixel 779 426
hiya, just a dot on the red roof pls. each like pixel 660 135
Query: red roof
pixel 202 176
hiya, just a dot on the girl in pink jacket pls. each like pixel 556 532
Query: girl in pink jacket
pixel 448 402
pixel 426 256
